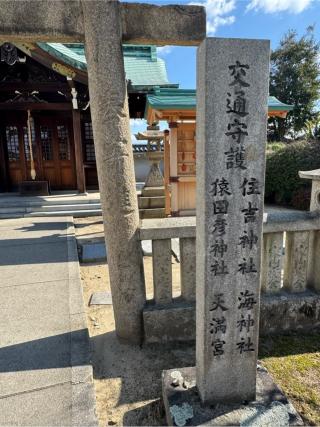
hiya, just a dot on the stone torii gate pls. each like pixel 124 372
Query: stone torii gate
pixel 104 25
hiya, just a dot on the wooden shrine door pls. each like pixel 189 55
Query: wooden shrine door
pixel 14 150
pixel 52 147
pixel 55 138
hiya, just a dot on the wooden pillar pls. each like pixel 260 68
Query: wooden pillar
pixel 112 140
pixel 166 162
pixel 173 125
pixel 4 172
pixel 76 122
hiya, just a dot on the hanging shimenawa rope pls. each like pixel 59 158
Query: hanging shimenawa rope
pixel 32 168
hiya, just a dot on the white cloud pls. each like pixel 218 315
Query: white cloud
pixel 164 50
pixel 218 13
pixel 274 6
pixel 137 122
pixel 137 125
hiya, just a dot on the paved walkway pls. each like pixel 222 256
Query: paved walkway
pixel 45 375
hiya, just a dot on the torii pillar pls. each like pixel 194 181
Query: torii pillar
pixel 104 25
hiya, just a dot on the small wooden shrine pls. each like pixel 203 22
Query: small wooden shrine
pixel 178 108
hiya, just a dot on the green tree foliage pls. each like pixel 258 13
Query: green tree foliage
pixel 312 127
pixel 284 161
pixel 295 80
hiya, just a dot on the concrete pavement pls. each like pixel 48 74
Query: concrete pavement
pixel 45 374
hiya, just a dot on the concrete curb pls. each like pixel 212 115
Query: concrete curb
pixel 83 393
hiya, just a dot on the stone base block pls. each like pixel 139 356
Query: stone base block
pixel 184 408
pixel 152 191
pixel 169 323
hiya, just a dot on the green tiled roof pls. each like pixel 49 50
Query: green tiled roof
pixel 142 66
pixel 275 105
pixel 185 99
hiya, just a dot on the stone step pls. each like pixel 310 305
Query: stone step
pixel 152 213
pixel 79 213
pixel 36 202
pixel 152 191
pixel 151 202
pixel 13 210
pixel 49 208
pixel 76 207
pixel 11 215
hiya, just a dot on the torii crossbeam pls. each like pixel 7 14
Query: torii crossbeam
pixel 104 25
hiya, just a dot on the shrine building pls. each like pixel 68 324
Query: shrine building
pixel 44 95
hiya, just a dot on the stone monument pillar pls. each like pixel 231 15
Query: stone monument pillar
pixel 232 98
pixel 112 140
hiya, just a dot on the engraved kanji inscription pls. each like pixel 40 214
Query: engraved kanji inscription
pixel 219 226
pixel 218 324
pixel 219 248
pixel 217 345
pixel 248 240
pixel 238 106
pixel 220 207
pixel 250 213
pixel 246 300
pixel 237 130
pixel 218 302
pixel 250 186
pixel 245 345
pixel 219 268
pixel 220 187
pixel 247 267
pixel 238 72
pixel 235 158
pixel 245 323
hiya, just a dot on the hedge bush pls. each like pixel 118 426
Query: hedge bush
pixel 284 161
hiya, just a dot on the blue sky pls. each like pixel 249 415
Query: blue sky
pixel 262 19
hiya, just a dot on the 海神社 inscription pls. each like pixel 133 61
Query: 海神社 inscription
pixel 232 102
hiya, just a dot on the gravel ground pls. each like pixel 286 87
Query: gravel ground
pixel 127 378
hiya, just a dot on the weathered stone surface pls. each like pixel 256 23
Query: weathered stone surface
pixel 313 278
pixel 151 202
pixel 232 91
pixel 272 223
pixel 167 228
pixel 45 20
pixel 152 192
pixel 188 268
pixel 171 24
pixel 314 175
pixel 280 313
pixel 154 178
pixel 162 271
pixel 296 261
pixel 112 138
pixel 62 20
pixel 289 312
pixel 184 407
pixel 169 323
pixel 291 221
pixel 101 298
pixel 272 262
